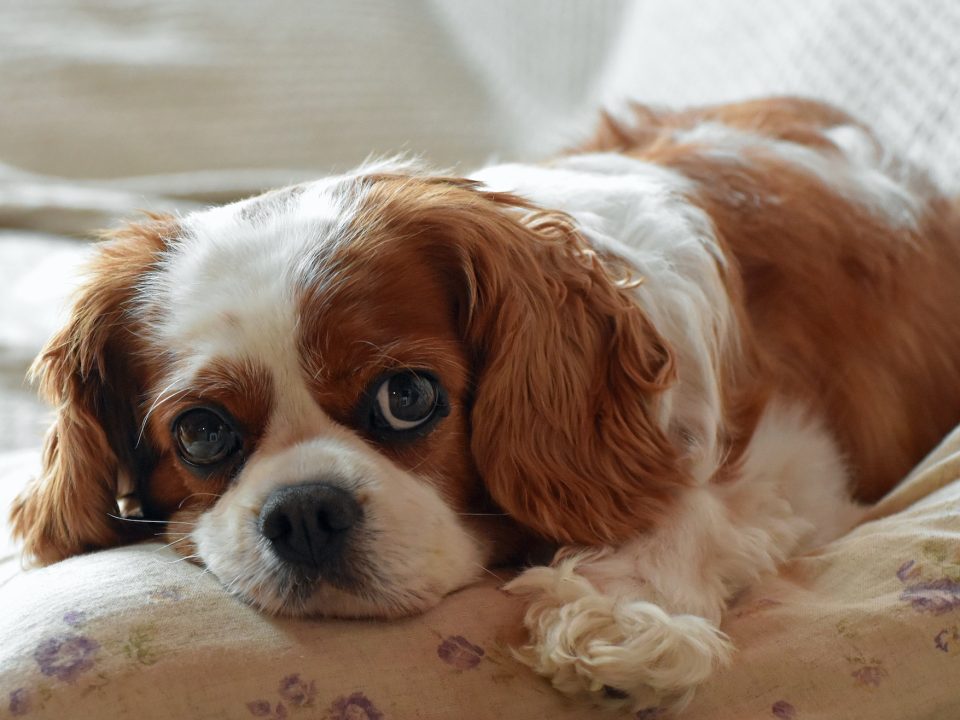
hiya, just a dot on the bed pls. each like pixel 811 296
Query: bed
pixel 126 107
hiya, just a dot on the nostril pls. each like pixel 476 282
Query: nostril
pixel 275 524
pixel 338 516
pixel 306 524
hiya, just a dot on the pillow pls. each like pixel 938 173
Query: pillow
pixel 867 627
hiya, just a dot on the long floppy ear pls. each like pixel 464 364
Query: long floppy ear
pixel 88 372
pixel 565 432
pixel 569 369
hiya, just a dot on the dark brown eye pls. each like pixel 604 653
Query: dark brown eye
pixel 406 400
pixel 404 406
pixel 204 437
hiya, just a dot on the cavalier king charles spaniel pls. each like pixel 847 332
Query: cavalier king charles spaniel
pixel 689 349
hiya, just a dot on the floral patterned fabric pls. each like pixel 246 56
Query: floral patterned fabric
pixel 867 627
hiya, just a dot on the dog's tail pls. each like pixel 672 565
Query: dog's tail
pixel 635 127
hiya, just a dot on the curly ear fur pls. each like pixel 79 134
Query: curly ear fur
pixel 568 367
pixel 564 429
pixel 87 372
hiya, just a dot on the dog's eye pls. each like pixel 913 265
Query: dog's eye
pixel 406 400
pixel 204 437
pixel 405 405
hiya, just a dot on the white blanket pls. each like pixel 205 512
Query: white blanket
pixel 110 108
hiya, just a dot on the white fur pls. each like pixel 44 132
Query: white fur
pixel 227 289
pixel 862 149
pixel 860 176
pixel 223 266
pixel 646 615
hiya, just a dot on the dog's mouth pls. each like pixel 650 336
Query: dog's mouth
pixel 293 592
pixel 297 585
pixel 283 592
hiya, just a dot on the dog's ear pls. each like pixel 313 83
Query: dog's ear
pixel 88 371
pixel 569 371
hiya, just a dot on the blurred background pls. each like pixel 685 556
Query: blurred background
pixel 109 108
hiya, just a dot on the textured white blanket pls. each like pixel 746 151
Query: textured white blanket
pixel 109 108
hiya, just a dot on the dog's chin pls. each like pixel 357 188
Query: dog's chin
pixel 321 598
pixel 282 591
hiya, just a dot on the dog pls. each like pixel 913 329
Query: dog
pixel 696 345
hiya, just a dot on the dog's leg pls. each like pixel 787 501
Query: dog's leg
pixel 616 623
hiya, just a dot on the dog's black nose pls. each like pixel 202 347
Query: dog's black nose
pixel 307 524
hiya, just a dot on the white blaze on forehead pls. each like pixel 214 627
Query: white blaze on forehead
pixel 228 286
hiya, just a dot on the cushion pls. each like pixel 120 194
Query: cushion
pixel 868 627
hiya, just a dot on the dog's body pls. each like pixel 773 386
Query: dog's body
pixel 679 352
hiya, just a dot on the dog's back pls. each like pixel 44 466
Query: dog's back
pixel 847 267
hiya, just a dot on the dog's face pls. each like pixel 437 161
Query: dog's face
pixel 351 396
pixel 317 391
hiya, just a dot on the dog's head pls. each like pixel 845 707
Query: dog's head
pixel 349 396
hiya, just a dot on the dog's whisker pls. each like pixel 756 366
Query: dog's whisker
pixel 198 494
pixel 489 572
pixel 161 398
pixel 169 544
pixel 144 520
pixel 206 569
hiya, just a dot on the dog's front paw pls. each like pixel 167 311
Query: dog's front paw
pixel 614 650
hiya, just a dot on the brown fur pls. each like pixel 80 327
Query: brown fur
pixel 564 439
pixel 840 310
pixel 91 372
pixel 245 390
pixel 786 118
pixel 349 337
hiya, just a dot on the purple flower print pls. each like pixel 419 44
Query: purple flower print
pixel 355 707
pixel 782 710
pixel 457 651
pixel 167 593
pixel 259 708
pixel 297 692
pixel 66 657
pixel 262 709
pixel 650 713
pixel 20 702
pixel 943 639
pixel 907 571
pixel 869 675
pixel 75 618
pixel 935 597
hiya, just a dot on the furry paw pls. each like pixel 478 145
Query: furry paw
pixel 613 650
